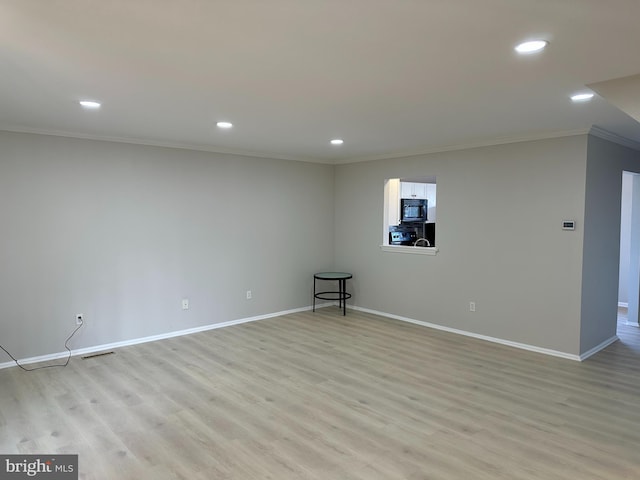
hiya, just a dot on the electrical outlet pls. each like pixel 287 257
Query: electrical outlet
pixel 185 304
pixel 249 295
pixel 472 306
pixel 79 319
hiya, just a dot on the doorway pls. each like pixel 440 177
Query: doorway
pixel 629 280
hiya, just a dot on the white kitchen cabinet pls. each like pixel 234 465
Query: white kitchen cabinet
pixel 413 190
pixel 431 202
pixel 393 202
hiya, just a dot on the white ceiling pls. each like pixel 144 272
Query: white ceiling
pixel 390 77
pixel 623 92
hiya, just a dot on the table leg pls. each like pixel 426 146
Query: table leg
pixel 314 294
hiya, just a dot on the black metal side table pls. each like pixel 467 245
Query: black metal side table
pixel 341 295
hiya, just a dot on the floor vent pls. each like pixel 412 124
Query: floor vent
pixel 97 355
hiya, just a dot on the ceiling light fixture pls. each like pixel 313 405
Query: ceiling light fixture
pixel 581 97
pixel 89 104
pixel 337 141
pixel 532 46
pixel 224 124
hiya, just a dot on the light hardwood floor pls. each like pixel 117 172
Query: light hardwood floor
pixel 322 396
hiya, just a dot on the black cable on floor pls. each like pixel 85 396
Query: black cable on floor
pixel 48 366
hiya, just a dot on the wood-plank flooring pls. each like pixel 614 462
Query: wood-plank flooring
pixel 322 396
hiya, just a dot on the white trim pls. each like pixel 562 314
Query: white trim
pixel 332 161
pixel 522 346
pixel 466 146
pixel 627 322
pixel 163 144
pixel 152 338
pixel 597 348
pixel 614 137
pixel 213 326
pixel 410 250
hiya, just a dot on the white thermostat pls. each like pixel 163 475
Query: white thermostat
pixel 568 224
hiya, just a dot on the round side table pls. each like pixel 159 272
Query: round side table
pixel 341 295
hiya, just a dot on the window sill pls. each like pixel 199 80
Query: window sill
pixel 409 250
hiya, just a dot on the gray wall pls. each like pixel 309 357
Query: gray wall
pixel 499 233
pixel 605 163
pixel 123 232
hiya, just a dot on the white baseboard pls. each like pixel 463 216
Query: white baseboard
pixel 153 338
pixel 213 326
pixel 522 346
pixel 597 348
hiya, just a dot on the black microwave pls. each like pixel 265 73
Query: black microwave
pixel 413 210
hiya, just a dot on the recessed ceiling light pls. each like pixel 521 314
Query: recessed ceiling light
pixel 582 97
pixel 224 124
pixel 532 46
pixel 89 104
pixel 337 141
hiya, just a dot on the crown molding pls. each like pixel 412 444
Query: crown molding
pixel 594 130
pixel 162 144
pixel 469 145
pixel 614 137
